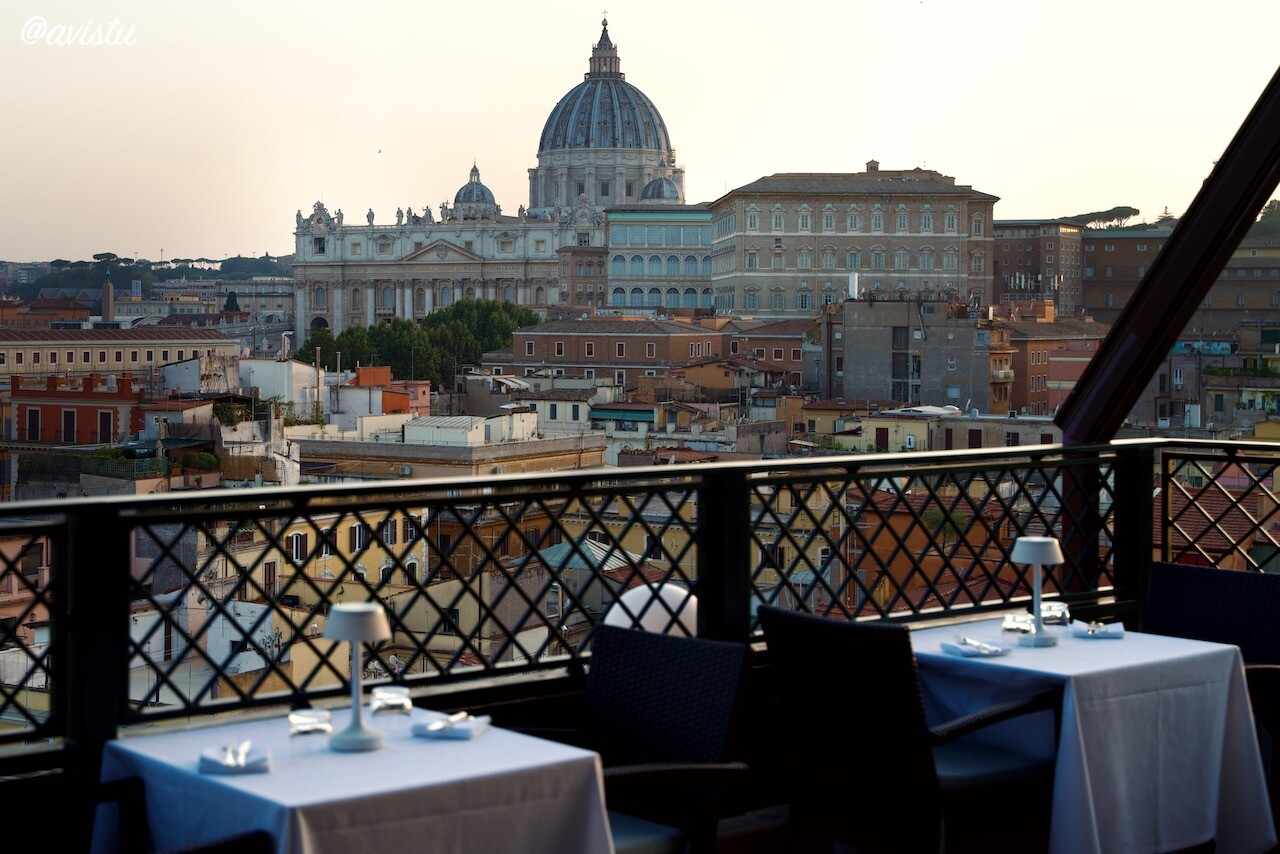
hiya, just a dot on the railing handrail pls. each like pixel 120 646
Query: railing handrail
pixel 833 529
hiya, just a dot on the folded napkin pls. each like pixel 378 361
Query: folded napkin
pixel 1080 629
pixel 970 651
pixel 464 728
pixel 218 760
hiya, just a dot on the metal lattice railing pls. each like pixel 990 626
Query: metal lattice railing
pixel 1218 507
pixel 136 609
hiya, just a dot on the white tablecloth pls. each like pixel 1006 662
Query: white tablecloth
pixel 499 792
pixel 1157 750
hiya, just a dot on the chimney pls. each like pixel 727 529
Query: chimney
pixel 108 301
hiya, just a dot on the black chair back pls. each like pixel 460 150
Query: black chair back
pixel 849 708
pixel 659 698
pixel 1220 605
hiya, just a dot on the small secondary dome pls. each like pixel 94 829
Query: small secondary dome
pixel 663 189
pixel 473 192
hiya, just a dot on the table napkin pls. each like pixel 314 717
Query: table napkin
pixel 215 760
pixel 463 730
pixel 1080 629
pixel 969 651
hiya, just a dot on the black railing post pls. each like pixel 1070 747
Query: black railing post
pixel 1132 540
pixel 95 618
pixel 724 558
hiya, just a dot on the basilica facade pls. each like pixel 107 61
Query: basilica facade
pixel 603 145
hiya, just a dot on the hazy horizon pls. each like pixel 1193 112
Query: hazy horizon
pixel 204 128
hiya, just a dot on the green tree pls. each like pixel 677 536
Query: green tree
pixel 232 303
pixel 1113 218
pixel 1268 224
pixel 434 349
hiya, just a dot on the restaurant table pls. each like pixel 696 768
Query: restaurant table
pixel 500 791
pixel 1157 749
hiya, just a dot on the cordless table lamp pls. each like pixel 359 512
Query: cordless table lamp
pixel 357 622
pixel 1039 552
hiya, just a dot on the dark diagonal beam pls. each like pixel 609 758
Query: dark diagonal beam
pixel 1178 280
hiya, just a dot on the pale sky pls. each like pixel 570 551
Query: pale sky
pixel 204 135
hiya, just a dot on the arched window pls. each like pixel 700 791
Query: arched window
pixel 619 265
pixel 655 265
pixel 690 298
pixel 706 298
pixel 446 296
pixel 654 297
pixel 618 297
pixel 673 298
pixel 637 265
pixel 637 297
pixel 356 305
pixel 706 265
pixel 320 298
pixel 422 299
pixel 690 265
pixel 298 548
pixel 673 265
pixel 509 293
pixel 388 297
pixel 753 300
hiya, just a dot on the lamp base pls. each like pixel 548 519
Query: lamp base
pixel 356 737
pixel 1032 638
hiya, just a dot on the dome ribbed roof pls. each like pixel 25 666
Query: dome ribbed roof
pixel 604 111
pixel 660 188
pixel 473 192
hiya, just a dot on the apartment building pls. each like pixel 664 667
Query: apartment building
pixel 1038 260
pixel 790 243
pixel 621 350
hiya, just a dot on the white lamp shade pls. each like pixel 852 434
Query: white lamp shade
pixel 656 617
pixel 357 621
pixel 1043 551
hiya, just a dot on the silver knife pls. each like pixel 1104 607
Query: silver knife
pixel 979 645
pixel 456 718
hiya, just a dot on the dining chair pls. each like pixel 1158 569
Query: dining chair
pixel 63 811
pixel 1237 607
pixel 664 713
pixel 864 768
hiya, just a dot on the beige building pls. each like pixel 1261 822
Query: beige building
pixel 79 352
pixel 791 243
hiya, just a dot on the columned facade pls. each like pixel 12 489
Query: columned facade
pixel 602 144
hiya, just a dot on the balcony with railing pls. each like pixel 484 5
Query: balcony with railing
pixel 168 609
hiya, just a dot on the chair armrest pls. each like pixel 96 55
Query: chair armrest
pixel 965 724
pixel 683 771
pixel 1264 692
